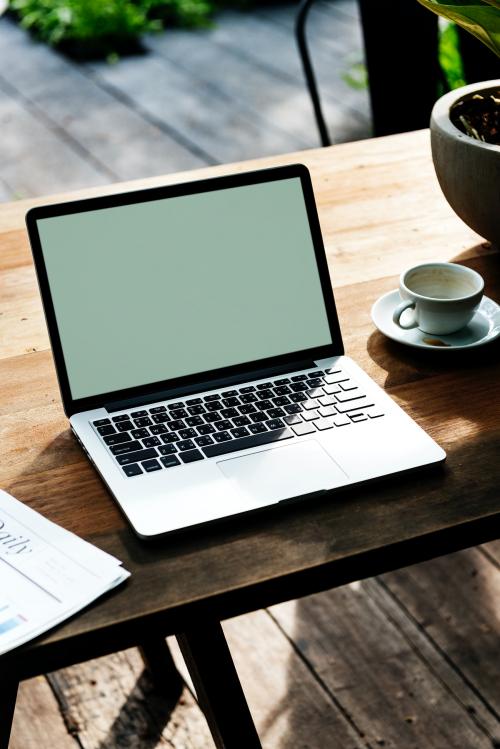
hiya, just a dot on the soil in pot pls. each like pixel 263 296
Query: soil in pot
pixel 479 116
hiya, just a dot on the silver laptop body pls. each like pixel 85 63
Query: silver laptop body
pixel 199 354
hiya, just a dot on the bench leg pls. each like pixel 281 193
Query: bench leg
pixel 160 664
pixel 8 694
pixel 218 687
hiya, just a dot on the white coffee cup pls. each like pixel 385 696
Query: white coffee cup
pixel 443 297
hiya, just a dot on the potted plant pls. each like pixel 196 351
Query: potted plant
pixel 465 127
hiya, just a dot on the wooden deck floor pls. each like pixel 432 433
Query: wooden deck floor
pixel 405 661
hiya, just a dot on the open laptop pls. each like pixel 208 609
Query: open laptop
pixel 199 353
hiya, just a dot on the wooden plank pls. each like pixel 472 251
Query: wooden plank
pixel 37 721
pixel 160 90
pixel 113 702
pixel 444 669
pixel 278 102
pixel 273 48
pixel 455 601
pixel 493 551
pixel 374 672
pixel 57 165
pixel 283 694
pixel 114 135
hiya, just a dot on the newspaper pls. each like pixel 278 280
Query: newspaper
pixel 47 574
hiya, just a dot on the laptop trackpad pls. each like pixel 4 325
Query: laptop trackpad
pixel 286 471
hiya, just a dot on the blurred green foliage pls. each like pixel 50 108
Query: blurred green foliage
pixel 479 17
pixel 449 56
pixel 106 26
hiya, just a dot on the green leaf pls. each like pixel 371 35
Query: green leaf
pixel 480 17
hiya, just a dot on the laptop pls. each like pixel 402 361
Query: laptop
pixel 199 353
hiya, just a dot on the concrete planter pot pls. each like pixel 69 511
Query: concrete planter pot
pixel 468 170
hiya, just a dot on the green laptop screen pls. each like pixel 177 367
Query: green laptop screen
pixel 161 289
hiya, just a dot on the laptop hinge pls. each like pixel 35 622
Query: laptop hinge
pixel 213 384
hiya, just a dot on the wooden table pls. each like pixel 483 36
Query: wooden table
pixel 380 210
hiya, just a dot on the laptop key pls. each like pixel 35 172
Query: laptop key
pixel 174 426
pixel 101 422
pixel 157 410
pixel 105 431
pixel 299 378
pixel 249 408
pixel 350 396
pixel 117 439
pixel 298 397
pixel 257 428
pixel 264 385
pixel 121 417
pixel 245 442
pixel 281 401
pixel 206 429
pixel 222 436
pixel 170 461
pixel 212 397
pixel 331 389
pixel 170 437
pixel 358 417
pixel 177 404
pixel 324 423
pixel 229 402
pixel 157 429
pixel 260 416
pixel 283 381
pixel 229 413
pixel 196 409
pixel 229 393
pixel 138 414
pixel 249 398
pixel 293 408
pixel 310 415
pixel 240 432
pixel 316 373
pixel 275 413
pixel 178 413
pixel 151 442
pixel 327 400
pixel 327 411
pixel 210 418
pixel 293 419
pixel 126 447
pixel 265 394
pixel 167 449
pixel 302 429
pixel 187 434
pixel 241 421
pixel 315 392
pixel 221 426
pixel 132 470
pixel 194 421
pixel 356 405
pixel 190 456
pixel 298 387
pixel 213 406
pixel 310 404
pixel 204 441
pixel 124 426
pixel 144 421
pixel 194 402
pixel 348 385
pixel 264 405
pixel 315 382
pixel 342 420
pixel 274 424
pixel 282 390
pixel 161 418
pixel 139 434
pixel 151 465
pixel 247 389
pixel 185 445
pixel 124 460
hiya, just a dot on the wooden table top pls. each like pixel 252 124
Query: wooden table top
pixel 381 210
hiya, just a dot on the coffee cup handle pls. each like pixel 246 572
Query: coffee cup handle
pixel 399 311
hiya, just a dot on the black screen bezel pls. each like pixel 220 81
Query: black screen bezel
pixel 76 405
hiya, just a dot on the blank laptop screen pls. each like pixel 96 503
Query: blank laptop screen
pixel 161 289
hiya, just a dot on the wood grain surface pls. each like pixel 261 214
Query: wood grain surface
pixel 381 210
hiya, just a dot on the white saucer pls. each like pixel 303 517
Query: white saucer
pixel 483 328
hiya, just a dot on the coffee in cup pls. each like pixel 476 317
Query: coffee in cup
pixel 443 297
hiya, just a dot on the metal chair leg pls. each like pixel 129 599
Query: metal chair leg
pixel 312 86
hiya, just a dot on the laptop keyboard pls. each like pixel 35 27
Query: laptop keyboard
pixel 170 435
